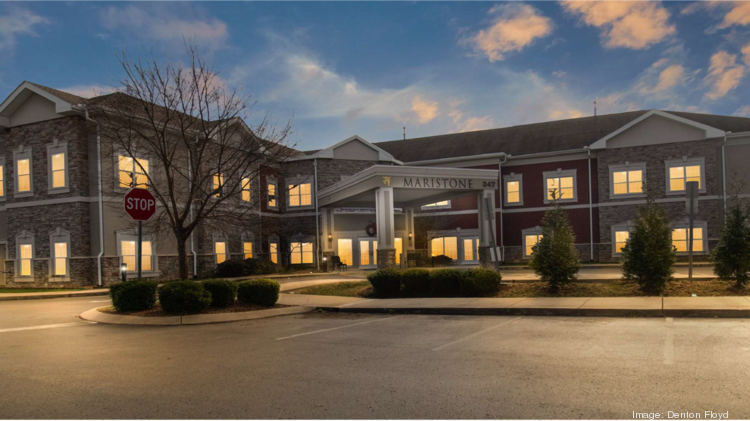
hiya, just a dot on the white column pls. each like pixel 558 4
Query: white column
pixel 327 228
pixel 486 231
pixel 384 214
pixel 409 228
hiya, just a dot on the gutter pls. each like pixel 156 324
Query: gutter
pixel 591 208
pixel 101 205
pixel 492 155
pixel 190 210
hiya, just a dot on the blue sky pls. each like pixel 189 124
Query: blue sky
pixel 435 67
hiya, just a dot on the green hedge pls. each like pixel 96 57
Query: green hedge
pixel 386 282
pixel 261 267
pixel 137 295
pixel 416 282
pixel 480 283
pixel 223 292
pixel 184 297
pixel 231 268
pixel 442 260
pixel 445 282
pixel 264 292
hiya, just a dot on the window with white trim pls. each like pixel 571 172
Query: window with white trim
pixel 127 249
pixel 301 252
pixel 627 180
pixel 245 193
pixel 444 246
pixel 680 171
pixel 620 240
pixel 513 189
pixel 271 192
pixel 23 170
pixel 560 186
pixel 218 184
pixel 443 204
pixel 680 239
pixel 57 168
pixel 25 255
pixel 531 237
pixel 132 172
pixel 471 249
pixel 247 249
pixel 300 194
pixel 2 178
pixel 220 251
pixel 60 253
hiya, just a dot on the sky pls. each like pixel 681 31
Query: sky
pixel 372 68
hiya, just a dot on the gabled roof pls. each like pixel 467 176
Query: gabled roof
pixel 329 151
pixel 65 103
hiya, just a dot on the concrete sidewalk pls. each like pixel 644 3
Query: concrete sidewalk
pixel 12 296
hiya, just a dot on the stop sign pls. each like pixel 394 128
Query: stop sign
pixel 140 204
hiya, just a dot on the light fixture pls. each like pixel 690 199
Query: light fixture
pixel 124 272
pixel 124 267
pixel 330 237
pixel 410 235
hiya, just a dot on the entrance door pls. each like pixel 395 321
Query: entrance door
pixel 471 250
pixel 368 253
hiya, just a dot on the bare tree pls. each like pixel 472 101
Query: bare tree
pixel 185 134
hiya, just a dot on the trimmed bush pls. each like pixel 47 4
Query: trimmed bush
pixel 386 282
pixel 184 297
pixel 480 283
pixel 445 282
pixel 231 268
pixel 442 260
pixel 261 267
pixel 223 292
pixel 263 292
pixel 416 281
pixel 137 295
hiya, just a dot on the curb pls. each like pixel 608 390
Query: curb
pixel 94 315
pixel 45 296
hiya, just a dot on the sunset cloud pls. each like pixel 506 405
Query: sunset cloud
pixel 724 74
pixel 738 14
pixel 425 110
pixel 514 27
pixel 670 77
pixel 635 25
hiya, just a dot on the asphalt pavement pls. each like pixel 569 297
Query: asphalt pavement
pixel 368 366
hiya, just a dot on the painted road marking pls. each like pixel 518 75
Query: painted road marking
pixel 465 338
pixel 336 328
pixel 669 342
pixel 55 326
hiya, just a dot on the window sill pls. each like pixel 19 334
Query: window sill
pixel 549 202
pixel 59 190
pixel 682 192
pixel 28 279
pixel 59 279
pixel 506 204
pixel 627 196
pixel 296 208
pixel 149 274
pixel 24 194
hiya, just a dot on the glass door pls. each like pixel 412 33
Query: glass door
pixel 368 253
pixel 471 249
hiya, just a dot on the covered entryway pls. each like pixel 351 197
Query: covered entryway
pixel 397 191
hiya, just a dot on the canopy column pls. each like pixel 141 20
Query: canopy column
pixel 327 234
pixel 385 227
pixel 487 229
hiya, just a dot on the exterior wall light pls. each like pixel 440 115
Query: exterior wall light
pixel 124 272
pixel 330 237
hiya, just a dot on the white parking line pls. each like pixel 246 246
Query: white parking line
pixel 336 328
pixel 20 329
pixel 465 338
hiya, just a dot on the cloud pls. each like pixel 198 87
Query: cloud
pixel 514 27
pixel 628 24
pixel 160 23
pixel 563 114
pixel 477 123
pixel 739 14
pixel 88 91
pixel 426 110
pixel 670 77
pixel 743 111
pixel 724 74
pixel 18 21
pixel 746 54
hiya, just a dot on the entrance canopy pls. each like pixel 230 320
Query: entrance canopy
pixel 412 186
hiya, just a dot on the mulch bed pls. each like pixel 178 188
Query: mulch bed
pixel 157 311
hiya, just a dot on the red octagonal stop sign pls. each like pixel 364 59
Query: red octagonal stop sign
pixel 140 204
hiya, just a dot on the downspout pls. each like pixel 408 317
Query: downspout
pixel 500 163
pixel 101 205
pixel 724 172
pixel 591 209
pixel 190 210
pixel 317 217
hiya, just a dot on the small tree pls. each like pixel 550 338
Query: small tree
pixel 731 256
pixel 648 255
pixel 555 258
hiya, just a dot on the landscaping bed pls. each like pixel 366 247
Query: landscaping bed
pixel 157 311
pixel 676 288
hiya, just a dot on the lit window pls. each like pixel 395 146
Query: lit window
pixel 302 253
pixel 128 254
pixel 271 195
pixel 300 194
pixel 220 249
pixel 513 189
pixel 627 182
pixel 218 184
pixel 441 204
pixel 133 172
pixel 24 175
pixel 471 246
pixel 344 250
pixel 399 242
pixel 680 175
pixel 2 181
pixel 680 239
pixel 146 256
pixel 247 248
pixel 530 240
pixel 560 188
pixel 61 259
pixel 445 246
pixel 245 189
pixel 274 249
pixel 58 171
pixel 26 259
pixel 621 239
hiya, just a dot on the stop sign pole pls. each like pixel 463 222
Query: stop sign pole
pixel 140 204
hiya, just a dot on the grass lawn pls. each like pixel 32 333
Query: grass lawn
pixel 22 290
pixel 676 288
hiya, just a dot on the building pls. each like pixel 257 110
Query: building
pixel 463 195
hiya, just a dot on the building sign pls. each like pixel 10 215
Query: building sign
pixel 439 183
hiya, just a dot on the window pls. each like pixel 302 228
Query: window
pixel 60 259
pixel 513 189
pixel 218 184
pixel 344 250
pixel 58 170
pixel 247 250
pixel 245 190
pixel 59 263
pixel 129 254
pixel 26 259
pixel 24 175
pixel 2 178
pixel 300 194
pixel 627 179
pixel 621 239
pixel 57 167
pixel 681 171
pixel 302 253
pixel 531 238
pixel 443 204
pixel 271 191
pixel 220 250
pixel 273 248
pixel 471 246
pixel 680 239
pixel 560 186
pixel 445 246
pixel 133 172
